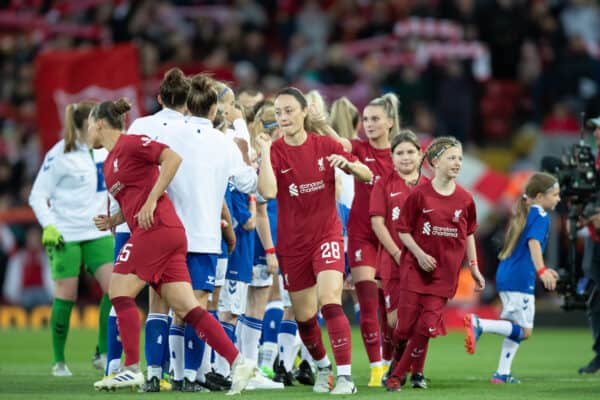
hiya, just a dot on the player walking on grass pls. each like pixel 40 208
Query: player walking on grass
pixel 156 251
pixel 381 123
pixel 299 170
pixel 67 193
pixel 387 199
pixel 437 225
pixel 521 260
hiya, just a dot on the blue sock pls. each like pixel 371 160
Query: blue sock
pixel 271 321
pixel 517 333
pixel 115 347
pixel 229 330
pixel 157 338
pixel 215 314
pixel 194 349
pixel 166 358
pixel 320 319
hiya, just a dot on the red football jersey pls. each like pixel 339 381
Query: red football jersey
pixel 380 163
pixel 306 208
pixel 440 226
pixel 130 172
pixel 387 199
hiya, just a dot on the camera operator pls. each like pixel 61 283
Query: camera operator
pixel 592 267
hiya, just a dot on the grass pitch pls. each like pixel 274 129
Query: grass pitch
pixel 547 365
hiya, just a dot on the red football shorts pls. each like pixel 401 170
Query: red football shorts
pixel 362 252
pixel 300 272
pixel 420 313
pixel 156 256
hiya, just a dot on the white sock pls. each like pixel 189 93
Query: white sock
pixel 222 366
pixel 287 349
pixel 268 354
pixel 205 365
pixel 373 365
pixel 190 374
pixel 305 354
pixel 344 370
pixel 154 372
pixel 250 337
pixel 509 349
pixel 239 332
pixel 324 362
pixel 176 346
pixel 114 366
pixel 498 326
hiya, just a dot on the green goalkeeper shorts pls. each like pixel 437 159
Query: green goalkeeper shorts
pixel 66 262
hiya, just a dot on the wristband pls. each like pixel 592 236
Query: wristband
pixel 541 271
pixel 251 198
pixel 270 250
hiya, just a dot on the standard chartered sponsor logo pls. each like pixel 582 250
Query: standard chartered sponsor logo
pixel 439 230
pixel 293 189
pixel 296 190
pixel 427 228
pixel 395 213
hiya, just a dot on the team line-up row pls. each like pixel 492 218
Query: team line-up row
pixel 242 264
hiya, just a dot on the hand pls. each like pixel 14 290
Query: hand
pixel 230 246
pixel 145 216
pixel 272 264
pixel 51 237
pixel 103 222
pixel 549 278
pixel 263 142
pixel 233 113
pixel 479 280
pixel 426 262
pixel 335 160
pixel 396 256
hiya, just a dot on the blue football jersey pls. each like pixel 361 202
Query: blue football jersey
pixel 240 263
pixel 517 272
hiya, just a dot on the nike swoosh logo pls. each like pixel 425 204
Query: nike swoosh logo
pixel 426 211
pixel 330 261
pixel 285 171
pixel 367 159
pixel 395 194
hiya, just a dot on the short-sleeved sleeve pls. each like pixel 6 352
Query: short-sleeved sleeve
pixel 537 226
pixel 146 149
pixel 471 218
pixel 409 213
pixel 377 203
pixel 275 162
pixel 240 210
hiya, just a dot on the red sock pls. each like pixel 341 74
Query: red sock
pixel 128 322
pixel 418 364
pixel 340 336
pixel 369 326
pixel 414 354
pixel 399 349
pixel 387 347
pixel 211 331
pixel 310 333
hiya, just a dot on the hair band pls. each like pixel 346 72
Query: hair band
pixel 270 125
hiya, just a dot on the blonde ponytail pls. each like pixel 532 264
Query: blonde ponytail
pixel 540 182
pixel 76 114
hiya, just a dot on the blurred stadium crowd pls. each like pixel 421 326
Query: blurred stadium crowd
pixel 500 75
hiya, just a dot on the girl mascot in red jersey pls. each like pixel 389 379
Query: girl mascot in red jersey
pixel 156 250
pixel 387 199
pixel 437 226
pixel 299 169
